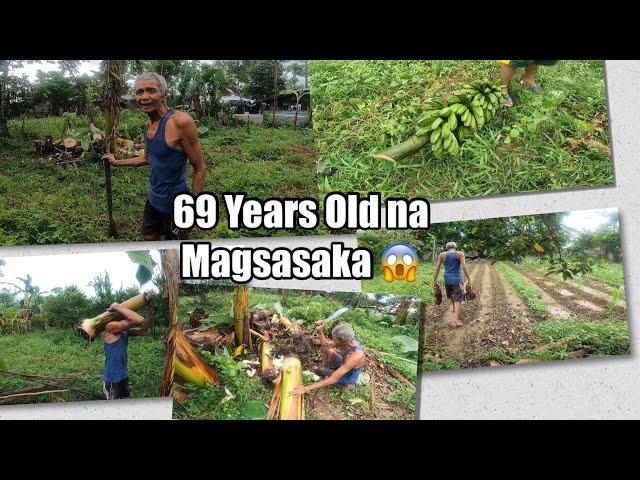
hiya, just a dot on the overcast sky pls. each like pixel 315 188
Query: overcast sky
pixel 585 220
pixel 51 271
pixel 86 66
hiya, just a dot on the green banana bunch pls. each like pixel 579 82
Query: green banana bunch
pixel 446 123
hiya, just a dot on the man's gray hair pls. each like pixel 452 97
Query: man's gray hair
pixel 162 83
pixel 343 333
pixel 451 245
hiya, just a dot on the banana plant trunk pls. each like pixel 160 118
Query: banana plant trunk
pixel 422 335
pixel 275 92
pixel 181 360
pixel 111 108
pixel 283 405
pixel 403 311
pixel 241 325
pixel 169 262
pixel 406 148
pixel 91 327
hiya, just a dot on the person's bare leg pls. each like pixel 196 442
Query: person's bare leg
pixel 456 314
pixel 529 77
pixel 506 74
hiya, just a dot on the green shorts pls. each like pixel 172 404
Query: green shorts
pixel 526 63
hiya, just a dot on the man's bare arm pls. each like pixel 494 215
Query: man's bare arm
pixel 323 340
pixel 128 162
pixel 131 319
pixel 144 329
pixel 463 262
pixel 190 143
pixel 437 270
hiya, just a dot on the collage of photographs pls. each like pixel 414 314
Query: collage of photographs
pixel 94 151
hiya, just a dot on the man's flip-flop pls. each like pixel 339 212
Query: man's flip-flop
pixel 534 88
pixel 507 100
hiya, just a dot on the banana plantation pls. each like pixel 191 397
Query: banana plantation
pixel 241 352
pixel 253 120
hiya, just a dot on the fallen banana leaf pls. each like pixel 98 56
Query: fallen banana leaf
pixel 189 366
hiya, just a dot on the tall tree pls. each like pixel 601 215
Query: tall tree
pixel 260 83
pixel 4 129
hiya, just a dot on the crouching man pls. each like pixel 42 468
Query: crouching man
pixel 115 379
pixel 342 359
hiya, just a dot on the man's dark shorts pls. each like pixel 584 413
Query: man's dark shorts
pixel 334 363
pixel 114 391
pixel 455 292
pixel 160 225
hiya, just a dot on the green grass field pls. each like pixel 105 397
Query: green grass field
pixel 60 353
pixel 38 206
pixel 363 107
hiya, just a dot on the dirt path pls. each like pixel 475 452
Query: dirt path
pixel 578 300
pixel 496 320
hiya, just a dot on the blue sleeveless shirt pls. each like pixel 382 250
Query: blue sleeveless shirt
pixel 115 360
pixel 452 270
pixel 168 168
pixel 351 377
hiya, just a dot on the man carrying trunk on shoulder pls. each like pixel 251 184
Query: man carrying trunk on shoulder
pixel 115 379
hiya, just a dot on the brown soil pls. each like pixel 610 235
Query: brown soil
pixel 583 301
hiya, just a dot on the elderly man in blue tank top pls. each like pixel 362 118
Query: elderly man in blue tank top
pixel 454 263
pixel 342 359
pixel 115 378
pixel 171 138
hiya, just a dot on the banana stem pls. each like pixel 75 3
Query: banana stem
pixel 91 327
pixel 404 149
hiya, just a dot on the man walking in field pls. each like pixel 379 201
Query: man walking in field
pixel 170 139
pixel 454 263
pixel 115 379
pixel 508 69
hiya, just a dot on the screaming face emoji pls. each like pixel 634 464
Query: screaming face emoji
pixel 399 262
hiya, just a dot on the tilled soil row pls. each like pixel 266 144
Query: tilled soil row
pixel 588 290
pixel 504 327
pixel 576 304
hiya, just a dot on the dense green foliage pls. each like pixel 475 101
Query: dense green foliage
pixel 29 309
pixel 550 141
